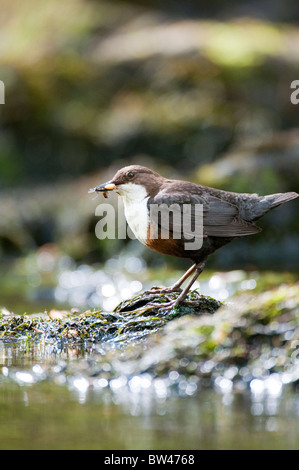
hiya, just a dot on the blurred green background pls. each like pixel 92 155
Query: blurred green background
pixel 195 90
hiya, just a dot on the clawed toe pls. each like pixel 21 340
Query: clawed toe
pixel 163 306
pixel 163 290
pixel 172 304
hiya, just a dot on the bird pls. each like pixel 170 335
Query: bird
pixel 225 216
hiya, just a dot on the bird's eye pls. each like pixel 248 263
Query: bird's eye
pixel 130 174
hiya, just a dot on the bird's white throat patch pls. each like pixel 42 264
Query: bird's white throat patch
pixel 135 201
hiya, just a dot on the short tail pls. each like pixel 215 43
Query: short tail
pixel 266 203
pixel 275 200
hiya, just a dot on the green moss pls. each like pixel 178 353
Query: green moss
pixel 130 318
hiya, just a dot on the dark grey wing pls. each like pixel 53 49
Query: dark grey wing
pixel 176 215
pixel 219 218
pixel 222 220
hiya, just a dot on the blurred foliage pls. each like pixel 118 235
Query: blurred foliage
pixel 197 91
pixel 89 82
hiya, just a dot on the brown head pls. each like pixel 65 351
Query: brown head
pixel 133 181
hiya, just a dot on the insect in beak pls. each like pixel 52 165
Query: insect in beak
pixel 103 188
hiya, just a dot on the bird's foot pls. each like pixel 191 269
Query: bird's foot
pixel 163 290
pixel 167 306
pixel 163 306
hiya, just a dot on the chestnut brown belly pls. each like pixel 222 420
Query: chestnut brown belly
pixel 174 247
pixel 168 247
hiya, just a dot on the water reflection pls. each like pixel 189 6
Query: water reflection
pixel 83 375
pixel 139 413
pixel 143 392
pixel 197 415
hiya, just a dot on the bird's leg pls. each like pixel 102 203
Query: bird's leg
pixel 174 303
pixel 182 279
pixel 176 286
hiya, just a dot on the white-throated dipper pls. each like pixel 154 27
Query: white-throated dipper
pixel 225 216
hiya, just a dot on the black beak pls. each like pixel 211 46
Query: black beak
pixel 103 188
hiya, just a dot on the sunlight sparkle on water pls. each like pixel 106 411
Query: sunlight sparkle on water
pixel 108 290
pixel 223 384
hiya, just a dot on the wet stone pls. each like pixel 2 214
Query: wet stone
pixel 129 317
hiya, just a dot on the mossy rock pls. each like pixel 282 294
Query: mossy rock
pixel 253 336
pixel 132 317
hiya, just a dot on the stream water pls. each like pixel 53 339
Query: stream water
pixel 48 416
pixel 52 398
